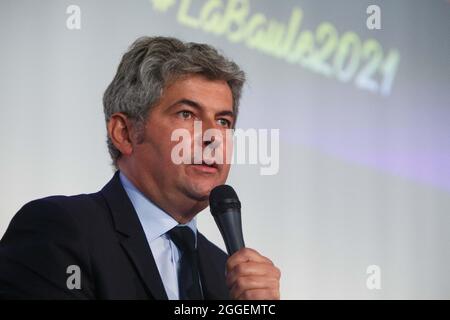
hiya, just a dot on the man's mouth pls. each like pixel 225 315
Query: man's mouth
pixel 206 168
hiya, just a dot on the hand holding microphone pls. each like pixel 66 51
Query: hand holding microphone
pixel 249 275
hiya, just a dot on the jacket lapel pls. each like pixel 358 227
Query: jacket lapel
pixel 132 236
pixel 212 273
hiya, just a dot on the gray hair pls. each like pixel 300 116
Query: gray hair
pixel 152 63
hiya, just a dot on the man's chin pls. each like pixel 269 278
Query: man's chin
pixel 201 191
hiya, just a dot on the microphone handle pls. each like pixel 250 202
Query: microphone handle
pixel 230 226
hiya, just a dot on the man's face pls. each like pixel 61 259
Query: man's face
pixel 188 99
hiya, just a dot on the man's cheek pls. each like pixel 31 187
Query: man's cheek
pixel 224 172
pixel 228 147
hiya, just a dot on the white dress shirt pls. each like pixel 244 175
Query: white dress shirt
pixel 156 223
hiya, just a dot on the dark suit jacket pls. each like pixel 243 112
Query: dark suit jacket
pixel 101 234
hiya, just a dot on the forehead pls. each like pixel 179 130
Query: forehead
pixel 209 94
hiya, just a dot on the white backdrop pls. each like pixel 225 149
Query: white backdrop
pixel 364 173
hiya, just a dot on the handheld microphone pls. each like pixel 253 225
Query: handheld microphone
pixel 226 210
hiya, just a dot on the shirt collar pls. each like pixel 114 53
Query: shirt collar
pixel 154 220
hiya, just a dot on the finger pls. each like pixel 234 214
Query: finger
pixel 243 284
pixel 245 255
pixel 252 269
pixel 260 294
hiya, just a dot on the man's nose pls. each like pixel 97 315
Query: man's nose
pixel 211 133
pixel 207 142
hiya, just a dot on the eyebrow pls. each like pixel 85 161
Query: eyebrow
pixel 197 106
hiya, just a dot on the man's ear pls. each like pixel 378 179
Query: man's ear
pixel 119 131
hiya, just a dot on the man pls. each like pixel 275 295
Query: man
pixel 137 237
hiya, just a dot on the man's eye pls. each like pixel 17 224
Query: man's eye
pixel 224 122
pixel 185 114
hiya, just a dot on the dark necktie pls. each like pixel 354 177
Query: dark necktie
pixel 188 275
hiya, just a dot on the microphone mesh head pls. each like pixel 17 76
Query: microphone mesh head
pixel 222 198
pixel 222 192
